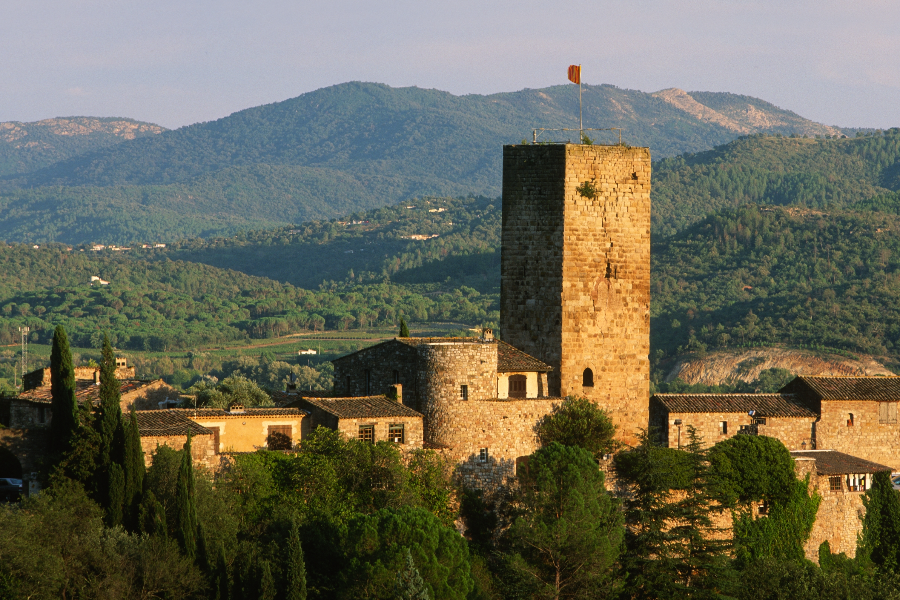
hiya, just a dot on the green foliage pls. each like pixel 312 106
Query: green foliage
pixel 749 468
pixel 579 422
pixel 185 506
pixel 404 330
pixel 134 471
pixel 587 189
pixel 880 538
pixel 233 389
pixel 62 382
pixel 152 515
pixel 569 529
pixel 222 583
pixel 266 581
pixel 295 566
pixel 115 495
pixel 410 585
pixel 377 548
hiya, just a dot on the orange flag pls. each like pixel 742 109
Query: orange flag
pixel 575 73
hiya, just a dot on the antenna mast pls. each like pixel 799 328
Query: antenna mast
pixel 24 331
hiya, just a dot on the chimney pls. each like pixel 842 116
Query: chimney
pixel 487 334
pixel 395 392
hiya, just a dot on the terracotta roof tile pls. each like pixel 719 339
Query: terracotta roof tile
pixel 169 422
pixel 362 407
pixel 830 462
pixel 765 405
pixel 847 388
pixel 84 391
pixel 266 411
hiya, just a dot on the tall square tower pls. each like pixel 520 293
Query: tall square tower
pixel 575 271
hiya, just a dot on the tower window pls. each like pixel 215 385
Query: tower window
pixel 349 392
pixel 588 378
pixel 396 376
pixel 464 392
pixel 483 455
pixel 850 421
pixel 368 382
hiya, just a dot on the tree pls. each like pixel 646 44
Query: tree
pixel 404 330
pixel 222 583
pixel 134 470
pixel 185 507
pixel 581 423
pixel 295 566
pixel 110 494
pixel 152 515
pixel 266 585
pixel 62 390
pixel 410 585
pixel 567 535
pixel 880 539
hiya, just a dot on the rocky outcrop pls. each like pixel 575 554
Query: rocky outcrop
pixel 730 367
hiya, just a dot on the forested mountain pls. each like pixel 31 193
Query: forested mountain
pixel 27 147
pixel 349 147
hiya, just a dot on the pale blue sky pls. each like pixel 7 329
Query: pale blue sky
pixel 178 62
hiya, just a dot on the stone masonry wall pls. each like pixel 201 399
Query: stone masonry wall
pixel 443 369
pixel 793 432
pixel 575 271
pixel 866 438
pixel 380 361
pixel 203 449
pixel 839 520
pixel 412 429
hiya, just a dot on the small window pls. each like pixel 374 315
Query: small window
pixel 887 412
pixel 367 433
pixel 764 507
pixel 349 392
pixel 368 382
pixel 395 433
pixel 483 455
pixel 834 483
pixel 723 427
pixel 517 386
pixel 216 433
pixel 759 420
pixel 279 437
pixel 588 378
pixel 464 392
pixel 850 421
pixel 396 376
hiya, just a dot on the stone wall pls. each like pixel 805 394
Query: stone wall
pixel 575 271
pixel 443 369
pixel 839 520
pixel 203 449
pixel 793 432
pixel 865 438
pixel 249 432
pixel 412 429
pixel 380 362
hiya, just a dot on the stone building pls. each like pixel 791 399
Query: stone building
pixel 575 271
pixel 369 418
pixel 171 428
pixel 240 429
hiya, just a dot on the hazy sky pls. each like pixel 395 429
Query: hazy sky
pixel 176 62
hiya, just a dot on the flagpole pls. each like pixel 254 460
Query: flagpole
pixel 580 113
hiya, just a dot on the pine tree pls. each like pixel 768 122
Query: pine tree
pixel 185 508
pixel 115 495
pixel 410 585
pixel 134 471
pixel 62 391
pixel 266 581
pixel 221 584
pixel 404 330
pixel 295 566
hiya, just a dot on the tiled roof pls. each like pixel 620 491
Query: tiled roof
pixel 167 422
pixel 282 398
pixel 765 405
pixel 84 391
pixel 362 407
pixel 509 358
pixel 266 411
pixel 830 462
pixel 847 388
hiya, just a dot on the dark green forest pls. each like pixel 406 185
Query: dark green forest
pixel 328 153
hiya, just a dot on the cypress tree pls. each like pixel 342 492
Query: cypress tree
pixel 110 411
pixel 266 581
pixel 204 559
pixel 134 470
pixel 880 538
pixel 185 509
pixel 62 390
pixel 116 495
pixel 404 330
pixel 152 515
pixel 295 567
pixel 410 585
pixel 221 583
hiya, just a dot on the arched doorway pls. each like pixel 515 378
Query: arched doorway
pixel 9 464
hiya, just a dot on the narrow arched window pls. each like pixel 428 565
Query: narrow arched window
pixel 588 378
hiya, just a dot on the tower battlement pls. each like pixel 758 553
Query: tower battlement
pixel 575 271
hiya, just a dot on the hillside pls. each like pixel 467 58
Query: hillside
pixel 27 147
pixel 349 147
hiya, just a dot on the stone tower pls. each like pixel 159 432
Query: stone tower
pixel 575 271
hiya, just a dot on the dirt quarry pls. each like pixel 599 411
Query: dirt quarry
pixel 730 367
